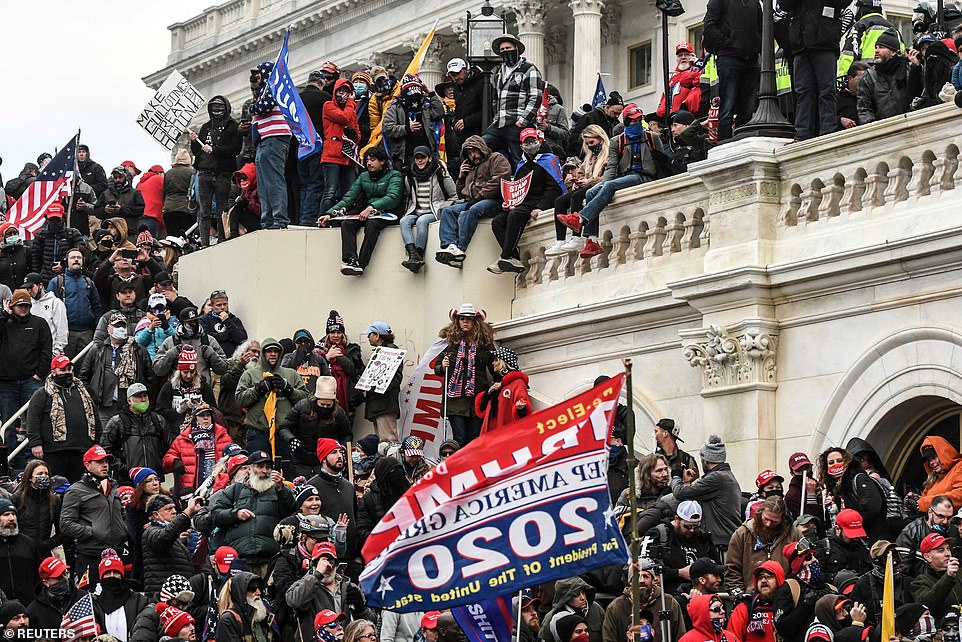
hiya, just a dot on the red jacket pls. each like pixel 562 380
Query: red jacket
pixel 183 449
pixel 762 629
pixel 500 409
pixel 685 92
pixel 335 119
pixel 151 187
pixel 702 630
pixel 248 192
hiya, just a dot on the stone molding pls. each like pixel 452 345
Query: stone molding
pixel 734 359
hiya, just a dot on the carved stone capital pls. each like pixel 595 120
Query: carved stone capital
pixel 736 358
pixel 529 15
pixel 581 7
pixel 556 44
pixel 460 29
pixel 393 62
pixel 611 23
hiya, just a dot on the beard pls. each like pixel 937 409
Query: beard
pixel 10 531
pixel 769 535
pixel 259 484
pixel 260 609
pixel 251 364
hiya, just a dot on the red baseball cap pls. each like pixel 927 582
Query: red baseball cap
pixel 326 616
pixel 430 620
pixel 96 453
pixel 684 46
pixel 529 132
pixel 797 460
pixel 130 163
pixel 930 542
pixel 60 361
pixel 851 523
pixel 55 210
pixel 324 548
pixel 766 476
pixel 52 567
pixel 631 112
pixel 223 557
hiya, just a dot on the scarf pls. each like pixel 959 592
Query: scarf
pixel 204 447
pixel 462 381
pixel 425 174
pixel 125 365
pixel 759 611
pixel 58 418
pixel 113 594
pixel 343 381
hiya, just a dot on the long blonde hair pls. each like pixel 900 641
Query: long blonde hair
pixel 593 166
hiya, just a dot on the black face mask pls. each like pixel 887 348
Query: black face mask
pixel 218 111
pixel 595 149
pixel 59 591
pixel 510 57
pixel 63 380
pixel 55 224
pixel 113 584
pixel 325 413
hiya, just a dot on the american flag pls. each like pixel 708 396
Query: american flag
pixel 28 212
pixel 600 96
pixel 79 620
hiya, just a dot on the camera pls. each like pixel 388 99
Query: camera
pixel 128 254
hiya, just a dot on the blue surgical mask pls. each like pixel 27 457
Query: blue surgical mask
pixel 13 239
pixel 356 458
pixel 635 130
pixel 360 89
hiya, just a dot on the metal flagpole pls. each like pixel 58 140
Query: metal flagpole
pixel 632 501
pixel 801 509
pixel 73 177
pixel 518 623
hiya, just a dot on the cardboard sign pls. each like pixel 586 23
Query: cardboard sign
pixel 380 369
pixel 168 113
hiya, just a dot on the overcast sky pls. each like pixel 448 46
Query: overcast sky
pixel 71 65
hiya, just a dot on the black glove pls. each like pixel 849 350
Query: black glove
pixel 264 386
pixel 678 472
pixel 179 468
pixel 351 133
pixel 911 503
pixel 354 598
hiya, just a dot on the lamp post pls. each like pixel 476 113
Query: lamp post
pixel 482 30
pixel 767 119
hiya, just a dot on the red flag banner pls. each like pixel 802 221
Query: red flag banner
pixel 514 192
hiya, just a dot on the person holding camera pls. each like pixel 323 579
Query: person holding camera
pixel 940 585
pixel 794 601
pixel 268 391
pixel 164 550
pixel 618 613
pixel 678 543
pixel 120 199
pixel 185 391
pixel 323 587
pixel 156 325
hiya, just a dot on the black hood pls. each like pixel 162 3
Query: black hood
pixel 239 586
pixel 226 105
pixel 387 484
pixel 857 446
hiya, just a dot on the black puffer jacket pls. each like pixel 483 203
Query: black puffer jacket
pixel 50 246
pixel 14 265
pixel 26 346
pixel 389 484
pixel 734 28
pixel 94 175
pixel 164 553
pixel 469 105
pixel 815 25
pixel 19 561
pixel 308 429
pixel 38 517
pixel 137 440
pixel 225 139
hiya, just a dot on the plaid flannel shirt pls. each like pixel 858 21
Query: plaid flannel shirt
pixel 519 95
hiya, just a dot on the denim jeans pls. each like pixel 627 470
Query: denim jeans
pixel 337 180
pixel 420 221
pixel 600 195
pixel 738 87
pixel 311 173
pixel 13 394
pixel 459 221
pixel 152 226
pixel 465 429
pixel 813 77
pixel 505 140
pixel 269 160
pixel 211 186
pixel 569 202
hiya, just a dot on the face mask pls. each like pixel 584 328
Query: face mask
pixel 13 239
pixel 836 470
pixel 635 130
pixel 774 493
pixel 613 452
pixel 360 89
pixel 63 380
pixel 112 584
pixel 356 458
pixel 59 591
pixel 511 57
pixel 581 638
pixel 939 528
pixel 140 407
pixel 382 86
pixel 595 149
pixel 245 184
pixel 325 413
pixel 531 149
pixel 55 224
pixel 340 98
pixel 118 333
pixel 217 112
pixel 717 624
pixel 42 482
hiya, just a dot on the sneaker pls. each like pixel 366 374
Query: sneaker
pixel 592 248
pixel 556 249
pixel 511 265
pixel 495 268
pixel 445 254
pixel 574 244
pixel 351 268
pixel 456 252
pixel 571 221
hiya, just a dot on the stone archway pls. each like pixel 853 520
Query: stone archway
pixel 893 391
pixel 646 414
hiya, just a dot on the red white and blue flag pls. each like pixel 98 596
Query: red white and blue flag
pixel 27 213
pixel 525 504
pixel 486 620
pixel 79 620
pixel 282 88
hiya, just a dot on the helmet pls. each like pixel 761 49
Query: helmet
pixel 313 525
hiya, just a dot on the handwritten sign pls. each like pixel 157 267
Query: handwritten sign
pixel 380 369
pixel 171 109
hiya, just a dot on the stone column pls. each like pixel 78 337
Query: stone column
pixel 530 18
pixel 432 68
pixel 587 49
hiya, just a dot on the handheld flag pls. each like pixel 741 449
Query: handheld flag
pixel 888 600
pixel 28 212
pixel 600 94
pixel 542 116
pixel 519 506
pixel 486 620
pixel 282 88
pixel 79 620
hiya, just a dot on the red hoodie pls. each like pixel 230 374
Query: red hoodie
pixel 151 187
pixel 335 119
pixel 501 410
pixel 702 630
pixel 751 619
pixel 248 174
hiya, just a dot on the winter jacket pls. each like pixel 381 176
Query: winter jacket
pixel 97 373
pixel 719 494
pixel 254 538
pixel 619 159
pixel 483 374
pixel 543 189
pixel 793 498
pixel 229 334
pixel 564 590
pixel 151 188
pixel 752 609
pixel 50 247
pixel 556 137
pixel 337 497
pixel 336 120
pixel 170 400
pixel 743 556
pixel 39 519
pixel 469 104
pixel 308 596
pixel 307 363
pixel 164 553
pixel 19 561
pixel 14 265
pixel 618 616
pixel 858 491
pixel 133 607
pixel 248 194
pixel 81 297
pixel 397 133
pixel 443 191
pixel 835 555
pixel 131 204
pixel 938 591
pixel 176 185
pixel 183 450
pixel 235 624
pixel 381 495
pixel 518 92
pixel 383 192
pixel 869 588
pixel 108 282
pixel 951 482
pixel 937 66
pixel 151 340
pixel 377 404
pixel 314 99
pixel 133 315
pixel 347 369
pixel 92 520
pixel 54 312
pixel 40 432
pixel 298 423
pixel 883 90
pixel 226 398
pixel 249 397
pixel 702 630
pixel 734 28
pixel 136 440
pixel 225 139
pixel 483 180
pixel 44 613
pixel 814 25
pixel 685 88
pixel 93 175
pixel 909 540
pixel 210 356
pixel 500 409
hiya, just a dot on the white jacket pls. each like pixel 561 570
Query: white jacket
pixel 54 312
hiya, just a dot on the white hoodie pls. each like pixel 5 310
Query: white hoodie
pixel 53 310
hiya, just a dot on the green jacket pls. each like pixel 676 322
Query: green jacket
pixel 464 406
pixel 248 396
pixel 938 591
pixel 254 538
pixel 383 193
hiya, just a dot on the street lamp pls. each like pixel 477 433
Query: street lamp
pixel 767 119
pixel 482 30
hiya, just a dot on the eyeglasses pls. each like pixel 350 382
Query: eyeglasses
pixel 333 625
pixel 216 294
pixel 716 609
pixel 367 636
pixel 690 527
pixel 939 516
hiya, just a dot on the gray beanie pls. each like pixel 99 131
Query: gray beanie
pixel 713 451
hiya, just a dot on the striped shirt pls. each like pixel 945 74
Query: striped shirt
pixel 270 124
pixel 519 94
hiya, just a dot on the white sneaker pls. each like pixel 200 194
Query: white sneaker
pixel 455 251
pixel 556 249
pixel 494 268
pixel 511 265
pixel 574 244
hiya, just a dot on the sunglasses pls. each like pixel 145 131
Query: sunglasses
pixel 333 625
pixel 690 527
pixel 717 609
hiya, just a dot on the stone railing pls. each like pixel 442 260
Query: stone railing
pixel 222 22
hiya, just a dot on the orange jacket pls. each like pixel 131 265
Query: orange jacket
pixel 951 482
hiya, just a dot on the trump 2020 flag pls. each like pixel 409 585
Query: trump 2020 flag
pixel 282 88
pixel 486 620
pixel 521 505
pixel 422 401
pixel 600 95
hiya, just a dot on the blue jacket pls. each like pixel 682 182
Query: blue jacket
pixel 153 339
pixel 81 298
pixel 957 76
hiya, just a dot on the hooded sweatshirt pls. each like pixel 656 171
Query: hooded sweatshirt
pixel 752 618
pixel 566 589
pixel 951 482
pixel 248 191
pixel 389 484
pixel 484 179
pixel 336 120
pixel 223 136
pixel 702 630
pixel 235 624
pixel 250 398
pixel 52 310
pixel 151 187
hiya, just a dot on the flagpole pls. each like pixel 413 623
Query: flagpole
pixel 73 176
pixel 518 623
pixel 632 501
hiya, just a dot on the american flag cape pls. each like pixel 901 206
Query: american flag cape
pixel 27 213
pixel 79 621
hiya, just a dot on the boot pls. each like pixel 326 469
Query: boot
pixel 420 259
pixel 411 262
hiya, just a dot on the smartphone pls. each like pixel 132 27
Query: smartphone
pixel 129 254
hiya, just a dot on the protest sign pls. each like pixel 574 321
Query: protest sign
pixel 167 114
pixel 380 369
pixel 514 192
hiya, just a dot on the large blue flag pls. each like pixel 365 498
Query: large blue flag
pixel 282 88
pixel 486 620
pixel 600 94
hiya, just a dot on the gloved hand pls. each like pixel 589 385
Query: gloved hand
pixel 179 468
pixel 351 133
pixel 296 444
pixel 264 386
pixel 911 503
pixel 678 472
pixel 354 598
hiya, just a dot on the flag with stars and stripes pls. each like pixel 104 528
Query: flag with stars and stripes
pixel 79 621
pixel 27 213
pixel 600 94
